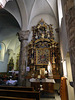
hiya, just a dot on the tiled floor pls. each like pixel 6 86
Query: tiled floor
pixel 57 97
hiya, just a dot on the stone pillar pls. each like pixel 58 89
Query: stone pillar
pixel 23 37
pixel 70 23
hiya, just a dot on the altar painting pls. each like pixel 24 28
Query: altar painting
pixel 42 56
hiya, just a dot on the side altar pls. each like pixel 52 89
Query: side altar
pixel 43 53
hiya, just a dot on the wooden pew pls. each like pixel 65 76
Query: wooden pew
pixel 63 89
pixel 17 88
pixel 21 94
pixel 14 98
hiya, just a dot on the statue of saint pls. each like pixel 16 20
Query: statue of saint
pixel 50 69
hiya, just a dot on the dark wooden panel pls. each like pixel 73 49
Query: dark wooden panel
pixel 47 86
pixel 14 98
pixel 17 88
pixel 63 89
pixel 21 94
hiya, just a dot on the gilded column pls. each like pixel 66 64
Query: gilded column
pixel 23 37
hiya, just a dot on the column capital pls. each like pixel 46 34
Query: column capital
pixel 23 35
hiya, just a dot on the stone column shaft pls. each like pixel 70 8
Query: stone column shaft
pixel 23 37
pixel 70 22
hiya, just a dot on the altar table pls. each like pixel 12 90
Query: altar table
pixel 47 84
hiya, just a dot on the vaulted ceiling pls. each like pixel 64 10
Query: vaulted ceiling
pixel 20 14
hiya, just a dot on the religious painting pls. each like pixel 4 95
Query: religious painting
pixel 42 56
pixel 42 71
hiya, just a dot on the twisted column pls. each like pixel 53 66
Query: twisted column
pixel 23 37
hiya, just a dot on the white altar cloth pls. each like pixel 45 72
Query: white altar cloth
pixel 42 80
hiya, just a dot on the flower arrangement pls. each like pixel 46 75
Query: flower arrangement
pixel 4 76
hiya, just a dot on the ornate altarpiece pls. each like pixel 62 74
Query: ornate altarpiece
pixel 43 49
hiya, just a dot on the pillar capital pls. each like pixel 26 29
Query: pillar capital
pixel 23 35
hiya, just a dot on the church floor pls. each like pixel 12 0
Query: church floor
pixel 57 97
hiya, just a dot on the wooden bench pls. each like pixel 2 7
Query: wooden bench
pixel 63 89
pixel 21 94
pixel 17 88
pixel 13 98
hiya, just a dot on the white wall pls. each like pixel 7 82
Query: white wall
pixel 69 79
pixel 3 64
pixel 60 13
pixel 14 55
pixel 7 57
pixel 63 40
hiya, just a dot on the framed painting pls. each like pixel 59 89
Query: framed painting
pixel 42 71
pixel 42 56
